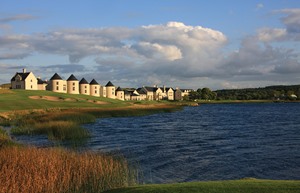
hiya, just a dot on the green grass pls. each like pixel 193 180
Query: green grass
pixel 232 186
pixel 13 100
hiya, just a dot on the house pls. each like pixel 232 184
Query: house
pixel 142 93
pixel 170 94
pixel 41 84
pixel 181 93
pixel 24 80
pixel 94 88
pixel 57 84
pixel 72 85
pixel 178 94
pixel 84 87
pixel 110 90
pixel 120 94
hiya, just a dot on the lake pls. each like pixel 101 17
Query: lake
pixel 208 142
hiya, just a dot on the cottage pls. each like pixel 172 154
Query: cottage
pixel 110 90
pixel 41 84
pixel 24 80
pixel 72 85
pixel 84 87
pixel 94 88
pixel 120 94
pixel 57 84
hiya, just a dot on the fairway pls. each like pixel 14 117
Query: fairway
pixel 12 100
pixel 232 186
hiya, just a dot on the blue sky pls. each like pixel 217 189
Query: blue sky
pixel 179 43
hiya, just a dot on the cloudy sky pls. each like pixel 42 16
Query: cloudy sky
pixel 179 43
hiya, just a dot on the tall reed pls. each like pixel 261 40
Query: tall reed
pixel 29 169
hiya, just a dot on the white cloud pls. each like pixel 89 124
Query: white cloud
pixel 172 53
pixel 269 34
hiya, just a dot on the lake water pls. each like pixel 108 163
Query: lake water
pixel 208 142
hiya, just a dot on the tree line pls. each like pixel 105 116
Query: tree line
pixel 291 92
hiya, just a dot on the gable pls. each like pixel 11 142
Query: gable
pixel 20 76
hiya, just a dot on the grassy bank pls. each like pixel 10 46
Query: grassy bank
pixel 234 186
pixel 59 116
pixel 29 169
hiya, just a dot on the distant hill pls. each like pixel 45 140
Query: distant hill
pixel 280 92
pixel 5 86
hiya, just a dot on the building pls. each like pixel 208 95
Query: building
pixel 94 88
pixel 57 84
pixel 110 90
pixel 27 81
pixel 24 80
pixel 72 85
pixel 84 87
pixel 41 84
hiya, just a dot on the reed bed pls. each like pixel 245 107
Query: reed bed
pixel 57 126
pixel 30 169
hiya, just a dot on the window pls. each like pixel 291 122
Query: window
pixel 85 91
pixel 31 86
pixel 57 83
pixel 85 86
pixel 95 91
pixel 73 88
pixel 57 88
pixel 73 83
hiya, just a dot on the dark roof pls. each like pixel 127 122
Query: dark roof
pixel 141 91
pixel 23 75
pixel 94 82
pixel 40 81
pixel 109 84
pixel 150 89
pixel 83 81
pixel 55 77
pixel 119 89
pixel 72 78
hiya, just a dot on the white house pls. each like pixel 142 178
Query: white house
pixel 24 80
pixel 84 87
pixel 57 84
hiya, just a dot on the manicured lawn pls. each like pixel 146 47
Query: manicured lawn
pixel 19 100
pixel 234 186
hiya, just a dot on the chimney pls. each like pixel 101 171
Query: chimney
pixel 24 70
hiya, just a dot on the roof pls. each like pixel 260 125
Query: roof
pixel 109 84
pixel 119 89
pixel 55 77
pixel 23 75
pixel 40 81
pixel 72 78
pixel 150 89
pixel 94 82
pixel 83 81
pixel 141 91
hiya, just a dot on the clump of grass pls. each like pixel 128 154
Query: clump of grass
pixel 5 139
pixel 57 126
pixel 29 169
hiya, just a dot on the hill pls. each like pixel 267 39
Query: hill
pixel 291 92
pixel 12 100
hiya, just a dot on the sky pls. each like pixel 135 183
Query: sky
pixel 132 43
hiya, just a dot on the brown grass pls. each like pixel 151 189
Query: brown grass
pixel 29 169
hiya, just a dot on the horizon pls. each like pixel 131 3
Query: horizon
pixel 188 44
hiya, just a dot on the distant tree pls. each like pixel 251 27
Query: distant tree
pixel 194 95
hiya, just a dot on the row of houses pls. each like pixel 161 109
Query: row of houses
pixel 28 81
